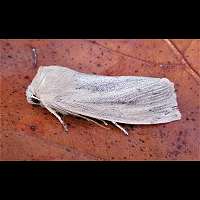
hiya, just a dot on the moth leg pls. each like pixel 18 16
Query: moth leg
pixel 105 123
pixel 88 119
pixel 57 116
pixel 121 128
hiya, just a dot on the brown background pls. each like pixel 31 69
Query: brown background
pixel 32 133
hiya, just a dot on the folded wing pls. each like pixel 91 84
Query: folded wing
pixel 125 99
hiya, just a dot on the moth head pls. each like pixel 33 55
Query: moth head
pixel 32 97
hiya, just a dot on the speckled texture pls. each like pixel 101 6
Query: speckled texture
pixel 32 133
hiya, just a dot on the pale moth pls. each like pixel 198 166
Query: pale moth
pixel 118 99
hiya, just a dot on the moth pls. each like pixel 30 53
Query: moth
pixel 117 99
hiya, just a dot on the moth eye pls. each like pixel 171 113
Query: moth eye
pixel 35 100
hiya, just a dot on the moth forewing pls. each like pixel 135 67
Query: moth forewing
pixel 118 99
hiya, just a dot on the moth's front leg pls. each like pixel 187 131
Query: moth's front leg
pixel 57 116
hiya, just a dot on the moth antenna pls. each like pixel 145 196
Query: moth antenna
pixel 57 116
pixel 121 128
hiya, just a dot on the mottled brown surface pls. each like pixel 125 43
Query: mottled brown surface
pixel 32 133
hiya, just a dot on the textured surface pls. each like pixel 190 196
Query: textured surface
pixel 32 133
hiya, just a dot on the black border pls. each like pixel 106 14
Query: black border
pixel 115 21
pixel 105 30
pixel 100 179
pixel 100 168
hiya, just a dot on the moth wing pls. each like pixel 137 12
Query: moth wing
pixel 124 99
